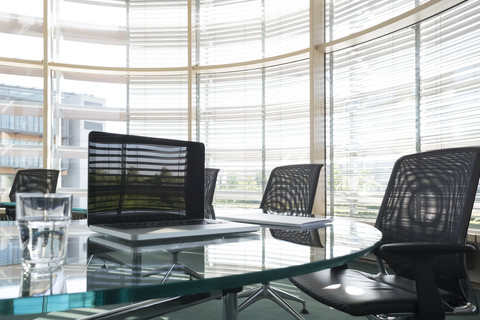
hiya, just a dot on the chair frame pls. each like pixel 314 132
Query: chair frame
pixel 413 247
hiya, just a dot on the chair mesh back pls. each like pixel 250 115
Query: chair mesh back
pixel 34 180
pixel 429 198
pixel 291 189
pixel 210 183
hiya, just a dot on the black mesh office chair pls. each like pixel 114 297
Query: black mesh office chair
pixel 32 180
pixel 210 183
pixel 424 219
pixel 290 190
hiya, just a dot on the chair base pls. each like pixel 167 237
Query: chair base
pixel 276 295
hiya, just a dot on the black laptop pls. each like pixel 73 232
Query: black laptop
pixel 144 188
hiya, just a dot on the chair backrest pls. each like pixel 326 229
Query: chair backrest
pixel 429 198
pixel 210 183
pixel 291 189
pixel 34 180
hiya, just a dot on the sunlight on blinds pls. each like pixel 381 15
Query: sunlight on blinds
pixel 230 116
pixel 157 33
pixel 413 90
pixel 234 31
pixel 250 119
pixel 372 119
pixel 158 106
pixel 345 17
pixel 286 26
pixel 287 114
pixel 229 31
pixel 450 87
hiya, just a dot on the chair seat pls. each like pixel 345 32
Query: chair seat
pixel 359 293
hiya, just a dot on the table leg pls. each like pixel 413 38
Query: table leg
pixel 230 303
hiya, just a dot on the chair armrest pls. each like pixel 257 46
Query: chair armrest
pixel 425 249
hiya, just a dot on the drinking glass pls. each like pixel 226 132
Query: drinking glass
pixel 43 221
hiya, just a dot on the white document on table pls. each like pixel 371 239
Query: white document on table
pixel 257 216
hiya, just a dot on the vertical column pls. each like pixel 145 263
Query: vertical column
pixel 190 74
pixel 418 137
pixel 47 109
pixel 317 99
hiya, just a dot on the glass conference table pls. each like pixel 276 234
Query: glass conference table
pixel 101 271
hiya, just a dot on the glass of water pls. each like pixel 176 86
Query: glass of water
pixel 43 221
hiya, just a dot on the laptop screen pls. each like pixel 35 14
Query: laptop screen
pixel 135 179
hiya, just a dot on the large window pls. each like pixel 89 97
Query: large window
pixel 244 77
pixel 257 118
pixel 252 121
pixel 231 74
pixel 415 89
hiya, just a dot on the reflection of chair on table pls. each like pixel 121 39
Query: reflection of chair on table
pixel 210 183
pixel 32 180
pixel 309 237
pixel 424 220
pixel 290 191
pixel 175 267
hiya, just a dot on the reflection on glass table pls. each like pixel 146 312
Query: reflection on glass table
pixel 101 270
pixel 77 213
pixel 36 282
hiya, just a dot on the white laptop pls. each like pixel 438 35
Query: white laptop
pixel 257 216
pixel 143 188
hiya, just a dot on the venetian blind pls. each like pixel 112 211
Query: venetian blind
pixel 345 17
pixel 450 82
pixel 257 118
pixel 235 31
pixel 231 124
pixel 158 106
pixel 252 121
pixel 157 33
pixel 371 111
pixel 157 37
pixel 413 90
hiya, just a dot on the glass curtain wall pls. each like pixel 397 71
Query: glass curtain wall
pixel 236 76
pixel 251 122
pixel 21 88
pixel 254 119
pixel 227 73
pixel 415 89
